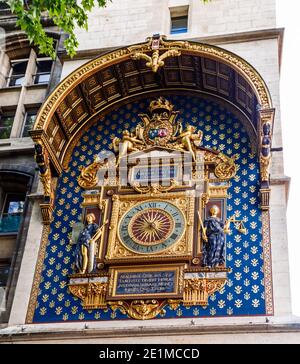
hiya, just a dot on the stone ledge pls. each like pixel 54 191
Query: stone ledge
pixel 141 331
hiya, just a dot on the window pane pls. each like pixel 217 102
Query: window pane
pixel 3 6
pixel 43 71
pixel 44 66
pixel 16 80
pixel 19 67
pixel 4 271
pixel 179 24
pixel 12 212
pixel 10 223
pixel 28 123
pixel 5 126
pixel 42 78
pixel 18 70
pixel 15 207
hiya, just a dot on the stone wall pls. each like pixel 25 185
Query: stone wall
pixel 125 22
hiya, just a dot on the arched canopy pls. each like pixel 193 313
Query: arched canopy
pixel 115 77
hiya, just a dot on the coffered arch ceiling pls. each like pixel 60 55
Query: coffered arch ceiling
pixel 97 86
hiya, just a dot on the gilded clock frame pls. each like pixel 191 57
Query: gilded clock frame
pixel 150 200
pixel 182 249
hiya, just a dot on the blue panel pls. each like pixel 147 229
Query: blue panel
pixel 244 292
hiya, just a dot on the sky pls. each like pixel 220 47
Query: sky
pixel 288 12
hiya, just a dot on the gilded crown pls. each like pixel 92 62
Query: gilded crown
pixel 161 104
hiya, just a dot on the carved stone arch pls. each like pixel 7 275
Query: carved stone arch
pixel 119 76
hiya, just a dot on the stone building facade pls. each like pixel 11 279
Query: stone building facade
pixel 244 33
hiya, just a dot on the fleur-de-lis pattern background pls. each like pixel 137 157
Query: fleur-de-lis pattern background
pixel 244 293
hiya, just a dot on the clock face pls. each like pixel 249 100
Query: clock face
pixel 151 226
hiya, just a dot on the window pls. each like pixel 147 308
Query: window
pixel 6 122
pixel 179 19
pixel 4 272
pixel 43 71
pixel 12 212
pixel 17 73
pixel 179 25
pixel 29 120
pixel 4 8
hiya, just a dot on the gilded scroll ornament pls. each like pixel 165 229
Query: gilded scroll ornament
pixel 226 169
pixel 156 60
pixel 225 166
pixel 154 188
pixel 79 291
pixel 140 309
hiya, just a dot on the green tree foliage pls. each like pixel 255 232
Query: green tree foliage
pixel 66 15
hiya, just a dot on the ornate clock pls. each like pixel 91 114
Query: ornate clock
pixel 146 228
pixel 151 226
pixel 150 248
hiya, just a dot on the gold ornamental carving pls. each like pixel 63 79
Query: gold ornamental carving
pixel 156 60
pixel 43 161
pixel 266 119
pixel 197 290
pixel 265 164
pixel 140 309
pixel 88 175
pixel 154 188
pixel 225 168
pixel 161 45
pixel 92 295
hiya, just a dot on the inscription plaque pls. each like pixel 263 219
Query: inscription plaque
pixel 146 282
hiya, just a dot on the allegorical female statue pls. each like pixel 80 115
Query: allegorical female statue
pixel 84 252
pixel 213 234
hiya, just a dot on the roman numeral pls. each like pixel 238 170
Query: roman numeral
pixel 139 208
